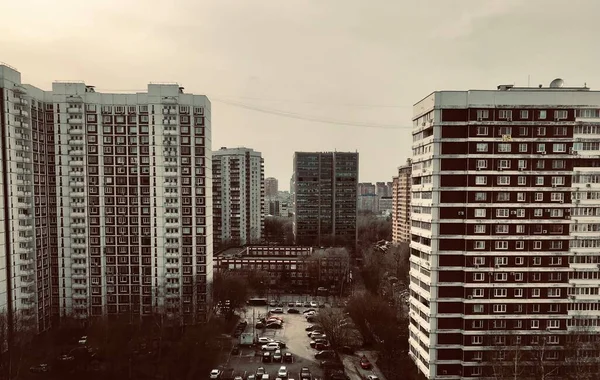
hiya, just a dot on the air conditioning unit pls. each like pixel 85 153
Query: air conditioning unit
pixel 554 185
pixel 545 231
pixel 497 266
pixel 544 152
pixel 588 185
pixel 562 201
pixel 470 297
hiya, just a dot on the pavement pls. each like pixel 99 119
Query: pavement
pixel 293 333
pixel 353 369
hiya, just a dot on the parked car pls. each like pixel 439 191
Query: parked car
pixel 277 310
pixel 309 310
pixel 83 340
pixel 271 317
pixel 288 357
pixel 365 363
pixel 266 358
pixel 312 327
pixel 372 377
pixel 40 368
pixel 283 373
pixel 273 303
pixel 313 304
pixel 238 378
pixel 322 346
pixel 327 354
pixel 272 346
pixel 259 372
pixel 215 374
pixel 281 343
pixel 293 311
pixel 66 358
pixel 305 373
pixel 306 304
pixel 310 318
pixel 265 340
pixel 277 357
pixel 260 325
pixel 298 304
pixel 273 325
pixel 314 332
pixel 265 376
pixel 251 377
pixel 310 313
pixel 290 304
pixel 318 336
pixel 314 342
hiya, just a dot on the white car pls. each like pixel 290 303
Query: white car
pixel 282 371
pixel 310 313
pixel 215 374
pixel 264 340
pixel 372 377
pixel 314 304
pixel 271 346
pixel 83 339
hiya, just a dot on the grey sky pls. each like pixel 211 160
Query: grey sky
pixel 358 61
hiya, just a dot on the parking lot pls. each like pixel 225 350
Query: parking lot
pixel 292 333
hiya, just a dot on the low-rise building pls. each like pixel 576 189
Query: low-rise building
pixel 290 268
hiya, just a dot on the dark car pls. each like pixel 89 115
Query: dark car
pixel 288 357
pixel 322 346
pixel 314 342
pixel 309 310
pixel 277 310
pixel 260 325
pixel 281 343
pixel 290 304
pixel 306 304
pixel 293 311
pixel 326 354
pixel 266 358
pixel 311 318
pixel 305 374
pixel 273 325
pixel 312 327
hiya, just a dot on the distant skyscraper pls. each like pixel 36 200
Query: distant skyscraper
pixel 107 204
pixel 271 187
pixel 401 204
pixel 325 198
pixel 238 196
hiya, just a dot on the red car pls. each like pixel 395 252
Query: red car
pixel 365 363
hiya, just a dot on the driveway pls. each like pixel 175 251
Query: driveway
pixel 353 369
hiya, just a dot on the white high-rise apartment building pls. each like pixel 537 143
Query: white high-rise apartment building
pixel 239 196
pixel 504 234
pixel 107 201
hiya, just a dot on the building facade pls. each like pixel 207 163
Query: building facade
pixel 290 268
pixel 325 198
pixel 107 201
pixel 271 187
pixel 505 221
pixel 401 198
pixel 238 196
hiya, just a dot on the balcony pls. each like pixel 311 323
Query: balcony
pixel 73 110
pixel 172 265
pixel 24 113
pixel 74 99
pixel 80 307
pixel 78 236
pixel 172 234
pixel 24 228
pixel 25 216
pixel 25 125
pixel 75 163
pixel 171 174
pixel 78 225
pixel 171 111
pixel 76 152
pixel 170 132
pixel 21 101
pixel 79 275
pixel 79 286
pixel 171 215
pixel 76 142
pixel 77 214
pixel 23 250
pixel 170 164
pixel 76 174
pixel 79 266
pixel 75 120
pixel 172 225
pixel 79 296
pixel 75 131
pixel 172 286
pixel 171 245
pixel 20 89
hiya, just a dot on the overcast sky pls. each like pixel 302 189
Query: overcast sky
pixel 273 67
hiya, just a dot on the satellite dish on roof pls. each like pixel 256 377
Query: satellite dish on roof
pixel 557 83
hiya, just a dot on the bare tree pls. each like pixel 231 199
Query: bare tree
pixel 581 354
pixel 339 329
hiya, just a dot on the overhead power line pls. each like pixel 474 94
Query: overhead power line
pixel 292 115
pixel 316 103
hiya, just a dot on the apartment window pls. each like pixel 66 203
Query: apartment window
pixel 524 114
pixel 539 181
pixel 502 244
pixel 501 276
pixel 479 244
pixel 501 228
pixel 520 228
pixel 483 114
pixel 540 164
pixel 522 164
pixel 480 228
pixel 553 324
pixel 482 131
pixel 499 308
pixel 503 148
pixel 560 114
pixel 518 276
pixel 478 277
pixel 538 212
pixel 482 147
pixel 519 244
pixel 541 148
pixel 477 324
pixel 504 164
pixel 558 164
pixel 558 181
pixel 553 292
pixel 521 181
pixel 556 245
pixel 539 197
pixel 560 131
pixel 522 148
pixel 535 292
pixel 478 293
pixel 503 197
pixel 542 115
pixel 535 324
pixel 537 260
pixel 503 180
pixel 480 180
pixel 518 293
pixel 557 197
pixel 559 148
pixel 505 115
pixel 502 213
pixel 477 308
pixel 477 339
pixel 537 245
pixel 500 292
pixel 520 197
pixel 480 196
pixel 479 260
pixel 521 213
pixel 481 164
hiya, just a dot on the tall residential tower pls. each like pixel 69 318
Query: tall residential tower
pixel 107 201
pixel 239 197
pixel 325 187
pixel 401 196
pixel 504 240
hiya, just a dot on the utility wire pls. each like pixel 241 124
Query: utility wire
pixel 315 103
pixel 297 116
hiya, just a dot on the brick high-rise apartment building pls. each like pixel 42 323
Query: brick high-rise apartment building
pixel 238 196
pixel 107 204
pixel 506 214
pixel 325 189
pixel 401 196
